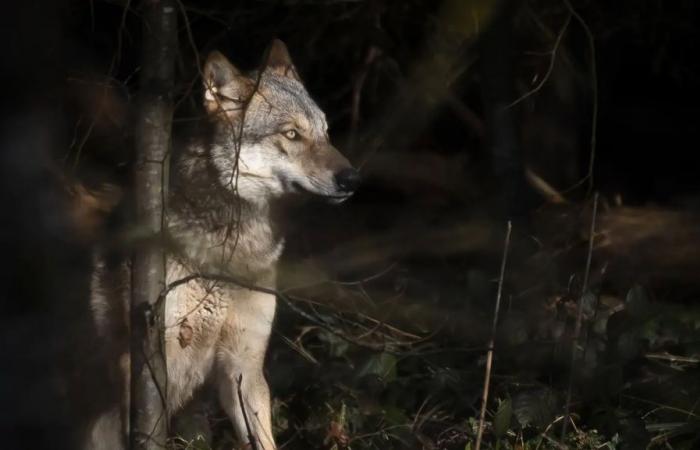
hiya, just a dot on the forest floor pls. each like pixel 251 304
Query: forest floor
pixel 381 343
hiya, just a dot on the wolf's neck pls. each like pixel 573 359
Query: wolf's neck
pixel 216 230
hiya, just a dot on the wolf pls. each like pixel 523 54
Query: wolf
pixel 265 138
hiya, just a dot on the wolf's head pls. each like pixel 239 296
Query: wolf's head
pixel 272 137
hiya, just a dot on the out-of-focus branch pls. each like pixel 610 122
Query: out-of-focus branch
pixel 357 86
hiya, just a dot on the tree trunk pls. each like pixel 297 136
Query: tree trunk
pixel 149 416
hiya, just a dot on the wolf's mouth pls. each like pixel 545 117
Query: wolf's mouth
pixel 337 199
pixel 331 198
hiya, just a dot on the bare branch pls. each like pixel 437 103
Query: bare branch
pixel 489 355
pixel 552 60
pixel 290 302
pixel 252 440
pixel 594 88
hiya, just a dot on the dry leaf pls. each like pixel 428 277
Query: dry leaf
pixel 185 335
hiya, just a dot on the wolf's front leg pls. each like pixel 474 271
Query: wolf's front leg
pixel 252 420
pixel 241 356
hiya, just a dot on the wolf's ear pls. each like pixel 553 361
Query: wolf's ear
pixel 218 70
pixel 278 61
pixel 224 85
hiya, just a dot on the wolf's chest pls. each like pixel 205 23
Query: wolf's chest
pixel 204 320
pixel 195 313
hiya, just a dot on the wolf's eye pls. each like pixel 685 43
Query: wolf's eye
pixel 292 135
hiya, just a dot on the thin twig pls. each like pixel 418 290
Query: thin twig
pixel 552 59
pixel 489 354
pixel 251 437
pixel 359 282
pixel 288 299
pixel 372 53
pixel 689 414
pixel 594 88
pixel 544 435
pixel 587 273
pixel 193 45
pixel 579 316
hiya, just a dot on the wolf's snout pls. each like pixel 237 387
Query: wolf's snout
pixel 347 180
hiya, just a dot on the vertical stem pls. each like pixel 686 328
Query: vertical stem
pixel 579 318
pixel 492 339
pixel 148 426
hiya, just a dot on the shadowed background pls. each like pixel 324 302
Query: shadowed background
pixel 460 115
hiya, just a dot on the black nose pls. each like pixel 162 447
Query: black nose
pixel 347 180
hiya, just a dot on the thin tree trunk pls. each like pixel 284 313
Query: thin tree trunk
pixel 148 417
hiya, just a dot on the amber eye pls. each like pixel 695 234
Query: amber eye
pixel 292 135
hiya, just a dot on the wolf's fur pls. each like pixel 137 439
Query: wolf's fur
pixel 268 138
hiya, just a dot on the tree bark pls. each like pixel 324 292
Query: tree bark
pixel 149 416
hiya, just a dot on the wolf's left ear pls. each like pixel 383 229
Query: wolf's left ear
pixel 279 62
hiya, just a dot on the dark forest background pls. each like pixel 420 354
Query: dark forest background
pixel 461 115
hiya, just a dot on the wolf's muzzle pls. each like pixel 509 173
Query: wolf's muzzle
pixel 347 180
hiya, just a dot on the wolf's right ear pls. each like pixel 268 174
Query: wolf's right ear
pixel 223 83
pixel 218 70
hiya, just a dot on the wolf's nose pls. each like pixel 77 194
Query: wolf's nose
pixel 347 180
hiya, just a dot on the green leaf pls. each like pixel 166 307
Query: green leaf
pixel 337 347
pixel 382 365
pixel 502 418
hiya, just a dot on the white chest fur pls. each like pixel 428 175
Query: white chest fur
pixel 213 327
